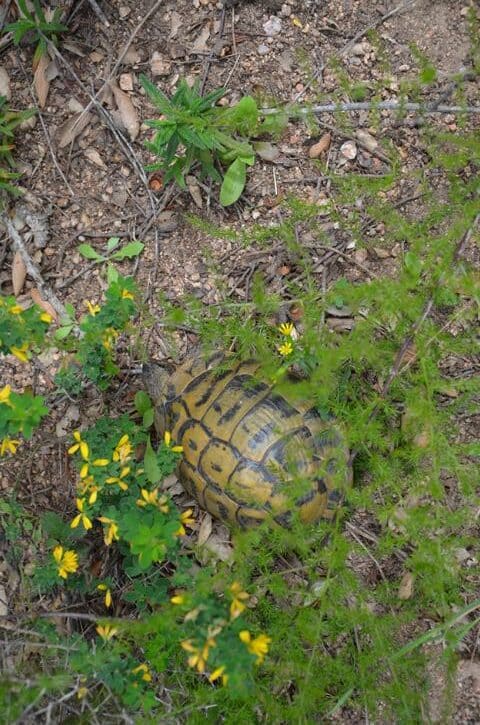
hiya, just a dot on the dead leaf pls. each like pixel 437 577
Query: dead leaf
pixel 38 299
pixel 93 156
pixel 64 425
pixel 126 82
pixel 194 190
pixel 266 150
pixel 200 44
pixel 71 128
pixel 367 140
pixel 405 590
pixel 3 602
pixel 205 529
pixel 127 111
pixel 175 23
pixel 219 548
pixel 4 83
pixel 52 71
pixel 320 147
pixel 19 272
pixel 73 48
pixel 40 80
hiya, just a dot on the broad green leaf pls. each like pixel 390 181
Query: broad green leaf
pixel 63 332
pixel 70 309
pixel 233 183
pixel 150 464
pixel 133 249
pixel 148 417
pixel 112 243
pixel 142 402
pixel 243 117
pixel 87 251
pixel 413 264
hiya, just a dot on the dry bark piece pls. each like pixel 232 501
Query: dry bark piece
pixel 38 299
pixel 200 44
pixel 366 139
pixel 40 80
pixel 71 128
pixel 127 111
pixel 19 273
pixel 93 156
pixel 320 147
pixel 159 65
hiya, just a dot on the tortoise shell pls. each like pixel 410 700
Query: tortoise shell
pixel 249 451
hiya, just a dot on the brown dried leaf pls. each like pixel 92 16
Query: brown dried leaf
pixel 127 111
pixel 320 147
pixel 38 299
pixel 19 272
pixel 219 548
pixel 200 44
pixel 205 529
pixel 405 590
pixel 40 80
pixel 71 128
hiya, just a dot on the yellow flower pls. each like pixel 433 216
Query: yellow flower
pixel 237 606
pixel 46 317
pixel 126 295
pixel 219 672
pixel 20 352
pixel 177 599
pixel 285 349
pixel 91 307
pixel 146 676
pixel 199 655
pixel 167 438
pixel 15 310
pixel 80 445
pixel 85 469
pixel 257 646
pixel 67 561
pixel 286 328
pixel 108 594
pixel 82 516
pixel 5 395
pixel 123 450
pixel 111 533
pixel 106 632
pixel 119 479
pixel 186 519
pixel 82 692
pixel 109 336
pixel 8 445
pixel 151 497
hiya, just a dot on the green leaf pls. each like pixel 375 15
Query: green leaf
pixel 150 464
pixel 112 274
pixel 142 402
pixel 148 417
pixel 63 332
pixel 133 249
pixel 233 182
pixel 87 251
pixel 413 264
pixel 70 309
pixel 112 243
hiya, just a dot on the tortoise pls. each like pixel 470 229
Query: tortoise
pixel 250 452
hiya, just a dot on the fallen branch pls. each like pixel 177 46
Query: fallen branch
pixel 370 106
pixel 32 269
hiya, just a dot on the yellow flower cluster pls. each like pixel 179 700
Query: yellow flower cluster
pixel 239 598
pixel 198 655
pixel 8 445
pixel 257 646
pixel 67 561
pixel 108 594
pixel 286 348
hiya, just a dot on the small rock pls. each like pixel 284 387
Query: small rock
pixel 159 66
pixel 74 106
pixel 404 68
pixel 361 256
pixel 263 49
pixel 96 57
pixel 348 150
pixel 126 82
pixel 124 11
pixel 132 56
pixel 273 26
pixel 320 147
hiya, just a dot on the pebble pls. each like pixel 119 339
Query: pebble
pixel 273 26
pixel 263 49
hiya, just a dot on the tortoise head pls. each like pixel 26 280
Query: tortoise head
pixel 156 377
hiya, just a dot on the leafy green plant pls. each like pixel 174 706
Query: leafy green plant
pixel 196 131
pixel 9 120
pixel 128 251
pixel 36 23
